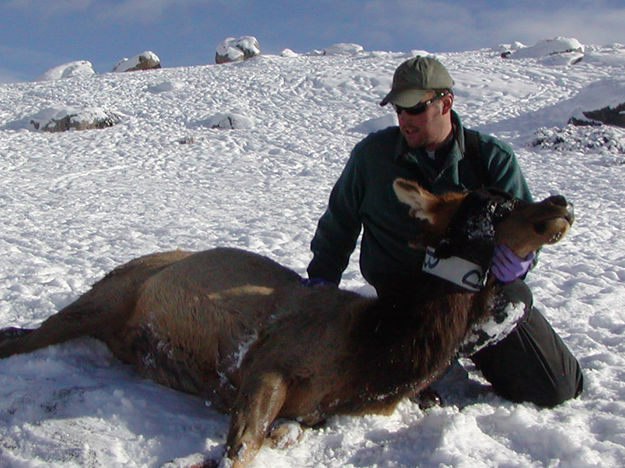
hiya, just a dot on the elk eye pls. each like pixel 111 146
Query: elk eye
pixel 540 227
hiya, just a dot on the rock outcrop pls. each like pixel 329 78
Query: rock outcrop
pixel 146 60
pixel 61 119
pixel 237 49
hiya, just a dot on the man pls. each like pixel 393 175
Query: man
pixel 431 147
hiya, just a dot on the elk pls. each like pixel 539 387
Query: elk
pixel 242 331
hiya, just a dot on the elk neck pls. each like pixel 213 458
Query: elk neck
pixel 412 336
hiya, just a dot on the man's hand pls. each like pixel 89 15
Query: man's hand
pixel 507 266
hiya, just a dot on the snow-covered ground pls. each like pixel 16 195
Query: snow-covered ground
pixel 73 205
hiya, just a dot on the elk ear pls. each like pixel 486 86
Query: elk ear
pixel 417 198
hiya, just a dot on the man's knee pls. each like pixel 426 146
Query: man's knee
pixel 532 364
pixel 554 391
pixel 538 389
pixel 566 388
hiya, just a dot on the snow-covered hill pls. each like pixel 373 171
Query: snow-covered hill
pixel 73 205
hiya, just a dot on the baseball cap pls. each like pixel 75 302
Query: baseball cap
pixel 414 78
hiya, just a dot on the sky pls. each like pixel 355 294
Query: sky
pixel 36 35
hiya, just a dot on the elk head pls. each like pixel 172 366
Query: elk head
pixel 472 223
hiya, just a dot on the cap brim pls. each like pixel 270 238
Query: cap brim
pixel 405 98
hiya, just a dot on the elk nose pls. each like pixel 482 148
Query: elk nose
pixel 559 200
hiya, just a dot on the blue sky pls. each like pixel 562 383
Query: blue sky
pixel 36 35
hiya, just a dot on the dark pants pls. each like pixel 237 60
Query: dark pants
pixel 532 363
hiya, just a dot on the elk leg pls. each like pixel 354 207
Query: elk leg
pixel 258 404
pixel 77 319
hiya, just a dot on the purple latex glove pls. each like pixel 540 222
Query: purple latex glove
pixel 507 266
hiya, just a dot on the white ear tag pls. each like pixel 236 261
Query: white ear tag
pixel 455 269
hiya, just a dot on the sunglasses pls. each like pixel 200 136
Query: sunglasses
pixel 419 108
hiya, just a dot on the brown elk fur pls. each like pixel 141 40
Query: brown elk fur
pixel 240 329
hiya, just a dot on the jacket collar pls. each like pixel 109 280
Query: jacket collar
pixel 450 156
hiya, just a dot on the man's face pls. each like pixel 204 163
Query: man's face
pixel 424 129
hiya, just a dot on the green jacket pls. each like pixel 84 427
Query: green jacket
pixel 363 197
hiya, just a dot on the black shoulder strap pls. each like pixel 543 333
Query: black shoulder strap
pixel 472 153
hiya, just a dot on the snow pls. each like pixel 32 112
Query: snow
pixel 556 45
pixel 493 330
pixel 288 53
pixel 608 92
pixel 80 68
pixel 76 204
pixel 343 48
pixel 227 121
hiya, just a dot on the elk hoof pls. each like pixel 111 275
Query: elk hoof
pixel 194 461
pixel 427 399
pixel 285 433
